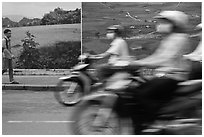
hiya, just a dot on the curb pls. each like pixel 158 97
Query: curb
pixel 40 72
pixel 29 87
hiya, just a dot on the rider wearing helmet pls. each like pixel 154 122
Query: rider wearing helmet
pixel 168 58
pixel 196 56
pixel 118 50
pixel 169 55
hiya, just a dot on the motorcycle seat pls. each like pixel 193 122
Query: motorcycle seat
pixel 189 87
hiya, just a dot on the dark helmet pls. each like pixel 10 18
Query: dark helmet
pixel 118 29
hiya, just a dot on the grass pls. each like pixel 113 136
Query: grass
pixel 107 13
pixel 46 35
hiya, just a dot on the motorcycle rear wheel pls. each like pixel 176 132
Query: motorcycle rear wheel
pixel 69 92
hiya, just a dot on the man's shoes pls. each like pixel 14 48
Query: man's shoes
pixel 14 82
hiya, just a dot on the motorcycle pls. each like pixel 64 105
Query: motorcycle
pixel 117 110
pixel 70 89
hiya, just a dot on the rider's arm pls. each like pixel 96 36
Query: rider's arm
pixel 105 55
pixel 167 50
pixel 196 55
pixel 101 56
pixel 113 50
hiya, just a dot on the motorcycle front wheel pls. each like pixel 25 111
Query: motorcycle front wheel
pixel 68 93
pixel 90 121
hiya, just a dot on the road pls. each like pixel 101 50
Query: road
pixel 34 113
pixel 37 113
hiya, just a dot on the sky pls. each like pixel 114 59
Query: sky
pixel 35 9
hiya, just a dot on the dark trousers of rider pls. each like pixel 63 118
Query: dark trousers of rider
pixel 105 70
pixel 196 70
pixel 155 92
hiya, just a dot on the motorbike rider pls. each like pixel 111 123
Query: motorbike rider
pixel 118 50
pixel 168 57
pixel 196 57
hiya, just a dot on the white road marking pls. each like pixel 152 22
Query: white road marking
pixel 41 121
pixel 19 121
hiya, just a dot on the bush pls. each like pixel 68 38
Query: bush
pixel 63 55
pixel 29 57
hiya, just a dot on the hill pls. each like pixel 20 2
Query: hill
pixel 57 16
pixel 6 22
pixel 15 18
pixel 29 22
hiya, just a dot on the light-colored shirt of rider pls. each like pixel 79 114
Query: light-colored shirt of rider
pixel 119 50
pixel 170 54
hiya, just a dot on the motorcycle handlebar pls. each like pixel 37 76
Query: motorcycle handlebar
pixel 129 68
pixel 88 56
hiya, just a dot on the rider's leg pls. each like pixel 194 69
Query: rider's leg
pixel 196 70
pixel 104 71
pixel 152 92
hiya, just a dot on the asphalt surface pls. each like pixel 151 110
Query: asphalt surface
pixel 28 110
pixel 34 113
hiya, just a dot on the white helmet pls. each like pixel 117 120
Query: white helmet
pixel 179 18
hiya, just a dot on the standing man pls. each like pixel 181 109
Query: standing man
pixel 7 56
